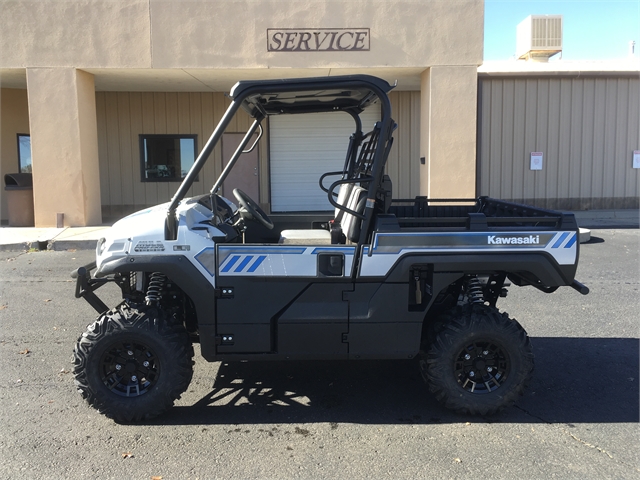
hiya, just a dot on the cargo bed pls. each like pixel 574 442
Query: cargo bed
pixel 485 213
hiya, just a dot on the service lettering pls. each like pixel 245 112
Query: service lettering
pixel 318 40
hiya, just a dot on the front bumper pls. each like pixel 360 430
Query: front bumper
pixel 87 285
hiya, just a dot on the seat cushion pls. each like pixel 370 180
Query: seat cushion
pixel 351 223
pixel 305 237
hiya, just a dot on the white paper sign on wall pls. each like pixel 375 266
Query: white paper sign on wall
pixel 636 159
pixel 536 160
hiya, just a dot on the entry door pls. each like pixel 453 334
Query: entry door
pixel 283 299
pixel 245 173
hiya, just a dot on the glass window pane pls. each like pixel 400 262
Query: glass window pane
pixel 24 153
pixel 167 157
pixel 187 155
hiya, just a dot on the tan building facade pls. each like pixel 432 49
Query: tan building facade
pixel 581 118
pixel 86 82
pixel 85 79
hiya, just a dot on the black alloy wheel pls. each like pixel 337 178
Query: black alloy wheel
pixel 482 367
pixel 129 369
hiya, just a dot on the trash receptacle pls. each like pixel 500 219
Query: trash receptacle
pixel 19 188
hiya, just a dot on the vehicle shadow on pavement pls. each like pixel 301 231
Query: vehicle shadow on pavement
pixel 592 380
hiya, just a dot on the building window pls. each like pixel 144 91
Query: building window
pixel 166 158
pixel 24 153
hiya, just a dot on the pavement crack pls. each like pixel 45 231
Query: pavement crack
pixel 565 431
pixel 577 439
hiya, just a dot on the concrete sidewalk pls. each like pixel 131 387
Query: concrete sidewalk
pixel 628 218
pixel 85 238
pixel 26 238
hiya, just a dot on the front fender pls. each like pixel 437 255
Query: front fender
pixel 180 271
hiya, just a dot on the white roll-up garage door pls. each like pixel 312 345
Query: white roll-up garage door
pixel 302 148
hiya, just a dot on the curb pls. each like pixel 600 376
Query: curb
pixel 15 247
pixel 609 226
pixel 64 245
pixel 24 246
pixel 49 245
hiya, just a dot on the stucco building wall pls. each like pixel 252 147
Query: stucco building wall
pixel 204 47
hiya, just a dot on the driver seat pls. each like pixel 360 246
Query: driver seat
pixel 351 197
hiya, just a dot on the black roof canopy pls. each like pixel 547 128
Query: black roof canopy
pixel 306 95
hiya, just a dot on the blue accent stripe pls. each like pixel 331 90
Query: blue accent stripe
pixel 256 264
pixel 230 263
pixel 244 263
pixel 560 240
pixel 572 241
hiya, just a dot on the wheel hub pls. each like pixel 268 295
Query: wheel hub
pixel 482 367
pixel 129 369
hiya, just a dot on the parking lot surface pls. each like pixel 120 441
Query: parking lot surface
pixel 578 419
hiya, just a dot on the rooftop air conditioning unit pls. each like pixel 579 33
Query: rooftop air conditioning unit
pixel 539 37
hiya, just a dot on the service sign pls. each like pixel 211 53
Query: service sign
pixel 318 39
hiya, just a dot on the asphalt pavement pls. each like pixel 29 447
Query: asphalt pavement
pixel 578 419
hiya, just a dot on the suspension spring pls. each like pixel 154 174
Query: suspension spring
pixel 474 291
pixel 154 290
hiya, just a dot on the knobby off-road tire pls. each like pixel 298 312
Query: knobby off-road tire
pixel 132 365
pixel 479 362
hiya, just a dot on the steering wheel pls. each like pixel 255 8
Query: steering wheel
pixel 251 209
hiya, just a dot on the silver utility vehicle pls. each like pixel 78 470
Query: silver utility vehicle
pixel 379 278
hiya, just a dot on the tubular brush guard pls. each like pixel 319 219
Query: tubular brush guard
pixel 86 286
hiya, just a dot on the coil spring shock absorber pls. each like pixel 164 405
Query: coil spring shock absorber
pixel 473 289
pixel 154 290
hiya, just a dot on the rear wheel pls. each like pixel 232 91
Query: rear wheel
pixel 479 362
pixel 132 365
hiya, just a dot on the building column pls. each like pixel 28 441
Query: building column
pixel 448 132
pixel 64 146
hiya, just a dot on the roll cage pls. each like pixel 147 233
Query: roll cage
pixel 367 152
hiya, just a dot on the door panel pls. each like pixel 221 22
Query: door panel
pixel 316 323
pixel 320 340
pixel 276 299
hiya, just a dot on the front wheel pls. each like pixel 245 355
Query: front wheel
pixel 132 365
pixel 479 362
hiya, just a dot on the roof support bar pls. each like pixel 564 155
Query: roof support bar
pixel 236 155
pixel 171 223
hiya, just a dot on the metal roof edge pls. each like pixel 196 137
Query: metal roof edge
pixel 618 68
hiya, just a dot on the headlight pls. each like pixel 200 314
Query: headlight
pixel 100 246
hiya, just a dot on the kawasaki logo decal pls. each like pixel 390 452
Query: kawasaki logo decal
pixel 528 240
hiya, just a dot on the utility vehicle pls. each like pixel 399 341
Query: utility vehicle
pixel 381 279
